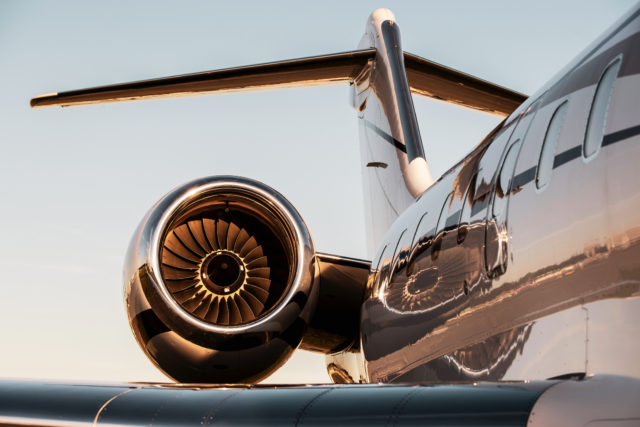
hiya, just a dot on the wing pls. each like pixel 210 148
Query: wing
pixel 513 403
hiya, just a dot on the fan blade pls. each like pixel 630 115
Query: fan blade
pixel 209 227
pixel 176 286
pixel 250 245
pixel 191 304
pixel 186 294
pixel 242 238
pixel 245 310
pixel 258 262
pixel 202 309
pixel 258 281
pixel 179 274
pixel 223 316
pixel 173 260
pixel 235 318
pixel 198 233
pixel 212 314
pixel 253 302
pixel 177 247
pixel 184 235
pixel 232 235
pixel 254 254
pixel 260 294
pixel 221 231
pixel 261 273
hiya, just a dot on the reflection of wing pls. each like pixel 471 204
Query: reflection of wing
pixel 490 358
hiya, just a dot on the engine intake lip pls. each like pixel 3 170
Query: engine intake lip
pixel 258 198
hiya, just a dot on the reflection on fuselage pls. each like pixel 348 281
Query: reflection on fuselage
pixel 515 264
pixel 506 293
pixel 486 360
pixel 439 274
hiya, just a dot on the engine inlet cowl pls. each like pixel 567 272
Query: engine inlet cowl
pixel 223 265
pixel 221 281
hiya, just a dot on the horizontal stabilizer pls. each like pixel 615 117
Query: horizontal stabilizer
pixel 425 78
pixel 437 81
pixel 291 73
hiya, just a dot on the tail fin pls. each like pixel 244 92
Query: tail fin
pixel 395 170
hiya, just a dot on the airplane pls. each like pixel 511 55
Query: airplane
pixel 519 264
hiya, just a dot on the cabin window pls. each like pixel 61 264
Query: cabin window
pixel 382 272
pixel 600 109
pixel 376 264
pixel 423 230
pixel 421 241
pixel 503 186
pixel 490 163
pixel 442 220
pixel 549 145
pixel 395 251
pixel 401 253
pixel 465 214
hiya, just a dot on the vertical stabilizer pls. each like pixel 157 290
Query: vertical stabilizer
pixel 395 171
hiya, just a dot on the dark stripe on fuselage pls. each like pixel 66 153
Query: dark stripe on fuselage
pixel 529 175
pixel 567 156
pixel 614 137
pixel 479 206
pixel 524 178
pixel 382 134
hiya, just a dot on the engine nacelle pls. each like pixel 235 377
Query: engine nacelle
pixel 220 281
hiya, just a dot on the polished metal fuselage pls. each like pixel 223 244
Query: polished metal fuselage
pixel 503 269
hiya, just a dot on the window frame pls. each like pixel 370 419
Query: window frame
pixel 514 151
pixel 588 157
pixel 549 138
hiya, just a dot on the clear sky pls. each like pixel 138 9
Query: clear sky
pixel 75 182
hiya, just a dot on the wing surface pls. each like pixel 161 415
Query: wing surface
pixel 57 404
pixel 534 403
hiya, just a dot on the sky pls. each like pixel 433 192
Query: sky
pixel 75 182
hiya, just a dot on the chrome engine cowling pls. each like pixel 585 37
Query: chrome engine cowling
pixel 220 281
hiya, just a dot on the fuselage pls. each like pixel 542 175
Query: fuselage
pixel 522 260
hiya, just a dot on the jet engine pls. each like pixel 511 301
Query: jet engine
pixel 221 281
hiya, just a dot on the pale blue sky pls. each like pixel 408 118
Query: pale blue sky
pixel 75 182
